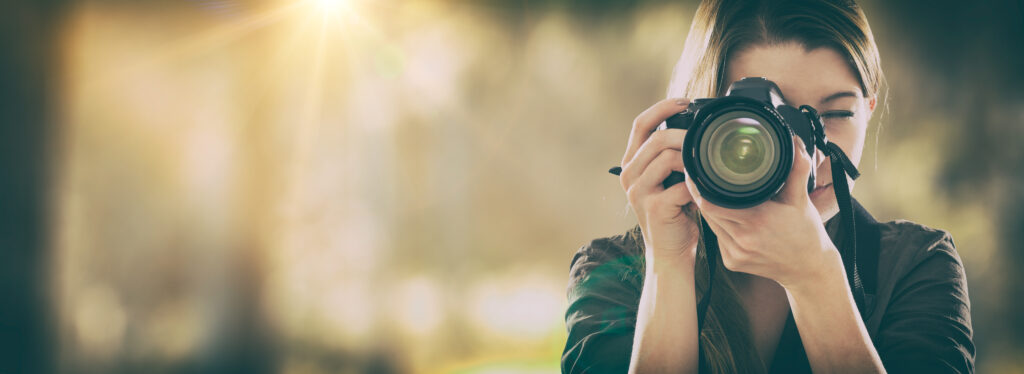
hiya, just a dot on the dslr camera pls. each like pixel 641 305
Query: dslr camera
pixel 738 148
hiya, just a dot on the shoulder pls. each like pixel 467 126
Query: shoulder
pixel 905 245
pixel 604 292
pixel 617 258
pixel 902 232
pixel 919 270
pixel 922 322
pixel 609 248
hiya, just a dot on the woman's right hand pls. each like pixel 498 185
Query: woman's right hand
pixel 665 215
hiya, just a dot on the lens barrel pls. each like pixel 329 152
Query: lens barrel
pixel 738 151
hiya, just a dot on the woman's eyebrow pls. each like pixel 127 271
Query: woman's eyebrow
pixel 838 95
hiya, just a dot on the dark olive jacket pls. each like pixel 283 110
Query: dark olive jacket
pixel 918 313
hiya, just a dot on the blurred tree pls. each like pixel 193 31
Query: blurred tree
pixel 27 62
pixel 971 55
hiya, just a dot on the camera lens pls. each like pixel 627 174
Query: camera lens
pixel 739 151
pixel 743 150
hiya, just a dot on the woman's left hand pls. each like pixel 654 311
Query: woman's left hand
pixel 782 239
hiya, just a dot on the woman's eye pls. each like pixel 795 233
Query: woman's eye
pixel 837 114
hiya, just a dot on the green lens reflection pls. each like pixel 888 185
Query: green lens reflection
pixel 740 151
pixel 743 150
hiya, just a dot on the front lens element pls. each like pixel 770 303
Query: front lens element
pixel 740 151
pixel 743 149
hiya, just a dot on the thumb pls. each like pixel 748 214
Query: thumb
pixel 795 189
pixel 695 196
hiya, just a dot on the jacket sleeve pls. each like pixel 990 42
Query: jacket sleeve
pixel 927 326
pixel 604 291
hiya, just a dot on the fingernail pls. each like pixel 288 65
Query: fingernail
pixel 682 101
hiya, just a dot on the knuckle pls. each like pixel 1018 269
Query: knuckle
pixel 803 153
pixel 664 157
pixel 805 161
pixel 658 164
pixel 638 120
pixel 626 176
pixel 671 138
pixel 680 195
pixel 660 201
pixel 642 120
pixel 633 194
pixel 677 159
pixel 660 138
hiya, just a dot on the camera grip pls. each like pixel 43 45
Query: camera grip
pixel 673 179
pixel 681 120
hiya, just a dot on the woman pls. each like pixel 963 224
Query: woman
pixel 780 299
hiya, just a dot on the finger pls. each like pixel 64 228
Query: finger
pixel 667 161
pixel 735 256
pixel 694 192
pixel 698 199
pixel 677 195
pixel 711 210
pixel 795 189
pixel 647 121
pixel 668 139
pixel 670 203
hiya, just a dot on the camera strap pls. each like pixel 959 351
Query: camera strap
pixel 846 241
pixel 710 259
pixel 848 251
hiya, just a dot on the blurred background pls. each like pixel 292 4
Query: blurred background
pixel 387 186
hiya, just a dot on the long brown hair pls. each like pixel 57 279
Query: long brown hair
pixel 724 28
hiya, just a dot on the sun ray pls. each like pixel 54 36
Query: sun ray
pixel 308 122
pixel 219 36
pixel 190 46
pixel 276 70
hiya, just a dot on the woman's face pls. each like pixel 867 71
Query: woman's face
pixel 822 79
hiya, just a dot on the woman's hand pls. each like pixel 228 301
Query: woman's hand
pixel 665 339
pixel 665 216
pixel 781 239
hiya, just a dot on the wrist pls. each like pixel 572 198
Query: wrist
pixel 819 276
pixel 678 262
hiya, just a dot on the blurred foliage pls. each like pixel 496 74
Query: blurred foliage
pixel 389 186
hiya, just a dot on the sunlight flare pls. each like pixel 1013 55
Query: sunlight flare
pixel 330 6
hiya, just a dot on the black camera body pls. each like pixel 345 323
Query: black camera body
pixel 738 148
